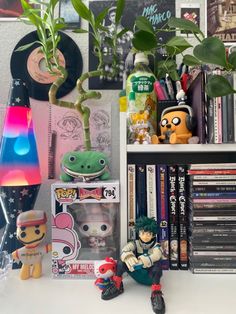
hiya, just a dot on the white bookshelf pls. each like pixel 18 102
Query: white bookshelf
pixel 184 293
pixel 141 150
pixel 180 148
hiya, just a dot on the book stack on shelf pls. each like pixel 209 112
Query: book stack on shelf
pixel 212 227
pixel 159 191
pixel 215 116
pixel 221 123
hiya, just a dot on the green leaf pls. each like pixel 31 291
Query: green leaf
pixel 168 65
pixel 28 12
pixel 144 24
pixel 80 31
pixel 144 41
pixel 184 25
pixel 174 75
pixel 82 10
pixel 24 47
pixel 232 59
pixel 211 50
pixel 218 85
pixel 176 45
pixel 190 60
pixel 120 4
pixel 59 26
pixel 101 16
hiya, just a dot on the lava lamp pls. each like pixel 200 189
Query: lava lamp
pixel 20 177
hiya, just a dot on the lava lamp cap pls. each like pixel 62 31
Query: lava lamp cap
pixel 18 95
pixel 140 57
pixel 31 218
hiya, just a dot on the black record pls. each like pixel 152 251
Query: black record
pixel 38 86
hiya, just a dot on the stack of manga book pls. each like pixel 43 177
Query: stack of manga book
pixel 212 230
pixel 159 191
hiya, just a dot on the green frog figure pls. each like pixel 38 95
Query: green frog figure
pixel 85 166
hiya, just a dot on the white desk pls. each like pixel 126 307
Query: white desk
pixel 184 293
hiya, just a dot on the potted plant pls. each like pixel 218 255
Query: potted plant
pixel 48 28
pixel 208 51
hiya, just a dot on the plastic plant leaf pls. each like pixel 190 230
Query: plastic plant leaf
pixel 212 51
pixel 190 60
pixel 143 24
pixel 183 24
pixel 144 41
pixel 217 86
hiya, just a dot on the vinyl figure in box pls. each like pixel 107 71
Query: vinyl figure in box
pixel 31 230
pixel 141 259
pixel 66 239
pixel 104 271
pixel 95 224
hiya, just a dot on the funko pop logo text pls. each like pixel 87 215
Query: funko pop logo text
pixel 95 193
pixel 66 195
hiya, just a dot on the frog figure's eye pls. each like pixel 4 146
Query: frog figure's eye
pixel 72 158
pixel 102 162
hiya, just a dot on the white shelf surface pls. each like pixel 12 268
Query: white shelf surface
pixel 180 148
pixel 184 293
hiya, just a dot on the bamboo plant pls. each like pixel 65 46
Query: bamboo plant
pixel 48 28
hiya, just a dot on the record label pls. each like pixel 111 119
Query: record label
pixel 27 65
pixel 36 70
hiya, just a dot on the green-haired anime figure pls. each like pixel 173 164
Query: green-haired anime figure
pixel 141 259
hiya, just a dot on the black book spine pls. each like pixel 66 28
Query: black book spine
pixel 141 199
pixel 173 218
pixel 183 235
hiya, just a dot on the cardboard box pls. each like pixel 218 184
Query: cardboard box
pixel 85 226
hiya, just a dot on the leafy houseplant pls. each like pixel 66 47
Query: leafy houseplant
pixel 209 51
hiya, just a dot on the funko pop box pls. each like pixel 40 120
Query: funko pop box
pixel 85 226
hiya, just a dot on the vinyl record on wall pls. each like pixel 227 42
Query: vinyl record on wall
pixel 28 66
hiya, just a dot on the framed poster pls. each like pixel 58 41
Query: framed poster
pixel 67 11
pixel 158 13
pixel 221 20
pixel 10 10
pixel 190 12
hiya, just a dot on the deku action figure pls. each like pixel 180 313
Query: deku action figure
pixel 141 259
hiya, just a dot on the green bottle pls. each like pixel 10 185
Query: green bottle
pixel 142 102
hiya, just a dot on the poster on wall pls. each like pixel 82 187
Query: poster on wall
pixel 68 13
pixel 221 20
pixel 66 133
pixel 190 12
pixel 10 10
pixel 158 13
